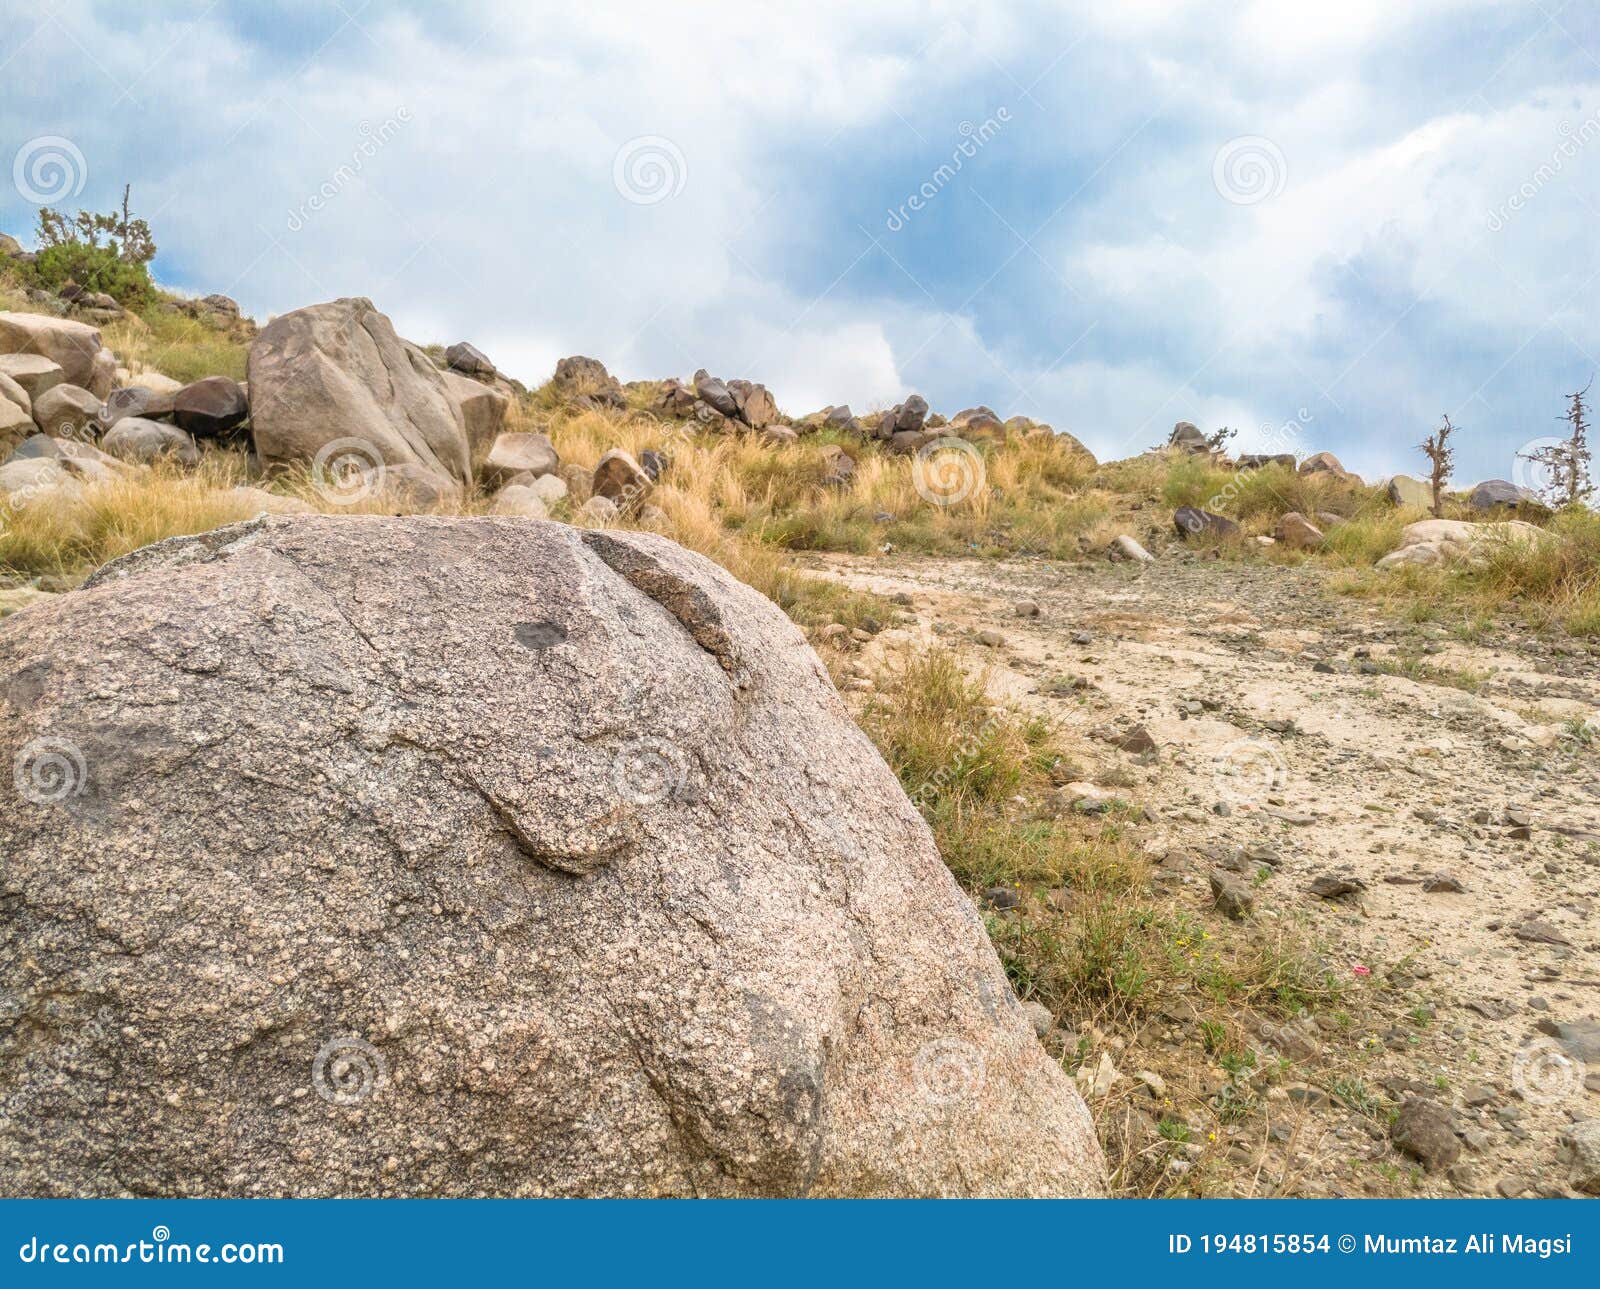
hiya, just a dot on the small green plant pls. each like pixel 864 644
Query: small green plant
pixel 1175 1130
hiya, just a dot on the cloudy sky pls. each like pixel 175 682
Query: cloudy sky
pixel 1350 217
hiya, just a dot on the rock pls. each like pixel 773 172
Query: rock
pixel 1580 1038
pixel 155 382
pixel 72 346
pixel 518 454
pixel 654 464
pixel 1096 1081
pixel 1426 1130
pixel 32 372
pixel 838 467
pixel 599 510
pixel 44 479
pixel 14 394
pixel 469 360
pixel 262 502
pixel 481 409
pixel 1261 460
pixel 1331 886
pixel 1026 608
pixel 1297 532
pixel 1536 931
pixel 991 639
pixel 335 376
pixel 907 442
pixel 15 425
pixel 10 246
pixel 1431 541
pixel 578 376
pixel 840 418
pixel 549 488
pixel 1040 1017
pixel 780 434
pixel 1402 490
pixel 1191 521
pixel 1581 1143
pixel 141 442
pixel 1231 894
pixel 715 394
pixel 521 500
pixel 620 479
pixel 135 400
pixel 1494 494
pixel 460 922
pixel 1186 437
pixel 675 399
pixel 1126 548
pixel 912 415
pixel 213 408
pixel 1138 740
pixel 67 412
pixel 757 407
pixel 1324 463
pixel 1443 883
pixel 579 480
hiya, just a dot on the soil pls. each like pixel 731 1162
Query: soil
pixel 1449 784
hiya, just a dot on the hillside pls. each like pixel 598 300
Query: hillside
pixel 1292 858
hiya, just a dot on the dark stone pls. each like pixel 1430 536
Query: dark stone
pixel 1190 521
pixel 213 408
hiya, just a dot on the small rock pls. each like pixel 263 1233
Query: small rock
pixel 1425 1130
pixel 1232 895
pixel 1027 608
pixel 992 639
pixel 1330 886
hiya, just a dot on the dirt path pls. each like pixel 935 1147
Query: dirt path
pixel 1396 755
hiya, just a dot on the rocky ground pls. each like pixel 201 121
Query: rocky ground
pixel 1422 805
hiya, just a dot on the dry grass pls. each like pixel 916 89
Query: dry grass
pixel 1090 936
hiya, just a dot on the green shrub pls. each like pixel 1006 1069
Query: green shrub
pixel 95 268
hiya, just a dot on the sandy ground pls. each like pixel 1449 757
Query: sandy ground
pixel 1348 770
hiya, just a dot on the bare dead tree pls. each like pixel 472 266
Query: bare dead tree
pixel 1567 466
pixel 1441 461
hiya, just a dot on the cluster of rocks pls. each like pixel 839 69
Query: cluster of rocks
pixel 70 415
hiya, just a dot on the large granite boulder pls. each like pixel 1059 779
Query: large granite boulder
pixel 440 856
pixel 213 408
pixel 335 376
pixel 1436 541
pixel 72 346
